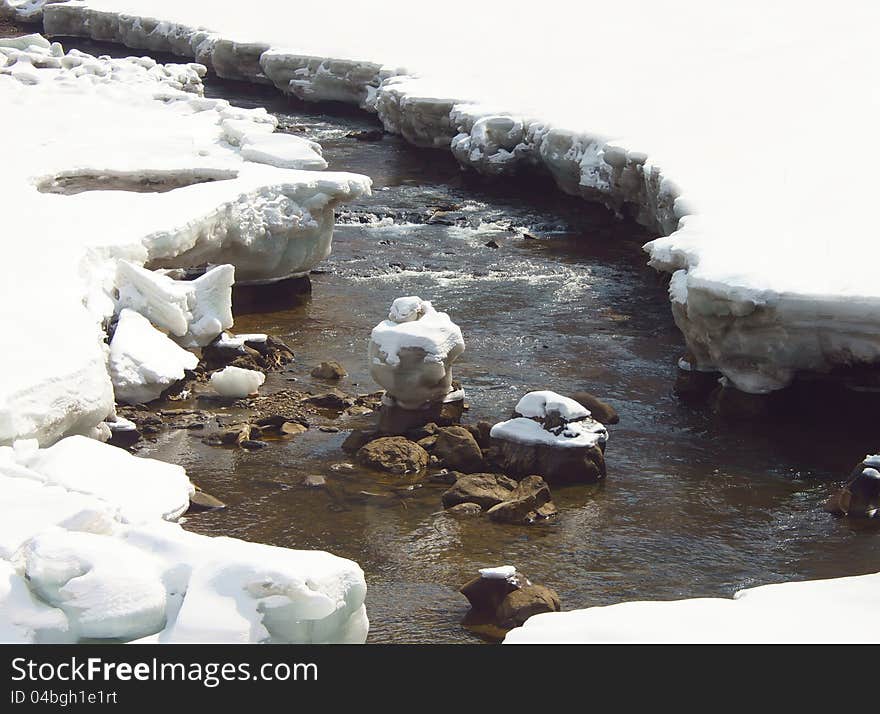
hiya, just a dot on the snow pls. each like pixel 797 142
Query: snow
pixel 541 403
pixel 237 382
pixel 140 489
pixel 742 134
pixel 87 552
pixel 576 434
pixel 501 572
pixel 282 150
pixel 839 610
pixel 238 342
pixel 413 323
pixel 196 311
pixel 125 160
pixel 143 361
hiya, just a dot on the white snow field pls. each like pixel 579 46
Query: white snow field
pixel 838 610
pixel 742 133
pixel 113 165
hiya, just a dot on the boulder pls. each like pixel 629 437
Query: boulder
pixel 599 410
pixel 520 604
pixel 201 501
pixel 486 490
pixel 456 447
pixel 357 439
pixel 394 454
pixel 503 599
pixel 332 399
pixel 329 370
pixel 860 497
pixel 584 464
pixel 527 503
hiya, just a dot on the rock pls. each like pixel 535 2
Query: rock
pixel 731 403
pixel 329 429
pixel 505 602
pixel 314 481
pixel 394 454
pixel 238 434
pixel 599 410
pixel 860 497
pixel 292 428
pixel 491 244
pixel 486 490
pixel 556 465
pixel 394 419
pixel 428 442
pixel 253 444
pixel 445 476
pixel 520 604
pixel 367 135
pixel 481 433
pixel 333 399
pixel 464 509
pixel 201 501
pixel 357 439
pixel 527 503
pixel 456 447
pixel 329 370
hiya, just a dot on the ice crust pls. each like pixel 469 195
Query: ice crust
pixel 807 612
pixel 700 122
pixel 88 550
pixel 129 169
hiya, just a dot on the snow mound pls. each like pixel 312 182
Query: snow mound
pixel 786 613
pixel 143 361
pixel 237 382
pixel 414 323
pixel 575 434
pixel 541 403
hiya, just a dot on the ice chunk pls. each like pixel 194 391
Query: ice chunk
pixel 141 489
pixel 237 382
pixel 414 322
pixel 143 361
pixel 540 404
pixel 106 587
pixel 502 572
pixel 283 150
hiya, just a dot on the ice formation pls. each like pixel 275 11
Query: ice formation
pixel 143 361
pixel 770 264
pixel 87 550
pixel 809 612
pixel 411 353
pixel 142 171
pixel 237 382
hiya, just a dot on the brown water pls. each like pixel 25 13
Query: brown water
pixel 693 505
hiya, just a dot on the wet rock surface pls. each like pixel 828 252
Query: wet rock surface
pixel 527 503
pixel 860 497
pixel 486 490
pixel 456 449
pixel 394 454
pixel 500 604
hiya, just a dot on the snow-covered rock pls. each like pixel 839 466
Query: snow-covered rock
pixel 771 266
pixel 237 382
pixel 806 612
pixel 411 353
pixel 143 361
pixel 144 169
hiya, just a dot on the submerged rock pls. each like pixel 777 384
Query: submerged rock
pixel 600 411
pixel 201 501
pixel 394 454
pixel 329 370
pixel 527 503
pixel 860 497
pixel 486 490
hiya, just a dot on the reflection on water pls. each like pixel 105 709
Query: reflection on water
pixel 692 506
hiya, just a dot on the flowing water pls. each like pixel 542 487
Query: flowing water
pixel 693 505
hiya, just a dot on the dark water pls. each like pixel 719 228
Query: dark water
pixel 693 505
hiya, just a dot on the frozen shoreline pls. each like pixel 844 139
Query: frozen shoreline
pixel 739 314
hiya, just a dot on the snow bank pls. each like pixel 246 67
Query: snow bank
pixel 86 551
pixel 237 382
pixel 813 611
pixel 125 160
pixel 704 119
